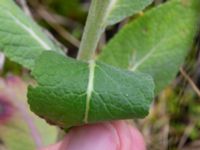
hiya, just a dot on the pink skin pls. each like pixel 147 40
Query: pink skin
pixel 103 136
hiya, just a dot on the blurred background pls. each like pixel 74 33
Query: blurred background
pixel 174 120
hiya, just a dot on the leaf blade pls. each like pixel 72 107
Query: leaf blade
pixel 153 47
pixel 21 39
pixel 120 9
pixel 73 104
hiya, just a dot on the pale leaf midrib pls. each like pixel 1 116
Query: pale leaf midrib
pixel 90 89
pixel 29 31
pixel 148 55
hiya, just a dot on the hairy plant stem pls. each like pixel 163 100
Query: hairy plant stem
pixel 94 28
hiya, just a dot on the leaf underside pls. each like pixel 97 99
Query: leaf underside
pixel 80 93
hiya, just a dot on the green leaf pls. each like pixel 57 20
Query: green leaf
pixel 157 42
pixel 72 92
pixel 119 9
pixel 20 129
pixel 21 38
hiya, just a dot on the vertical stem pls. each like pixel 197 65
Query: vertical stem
pixel 93 29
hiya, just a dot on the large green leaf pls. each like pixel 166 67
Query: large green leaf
pixel 20 129
pixel 71 92
pixel 157 42
pixel 21 39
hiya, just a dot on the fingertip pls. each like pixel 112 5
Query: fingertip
pixel 137 138
pixel 93 137
pixel 130 137
pixel 123 134
pixel 117 135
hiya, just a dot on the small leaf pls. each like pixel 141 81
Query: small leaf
pixel 120 9
pixel 72 92
pixel 157 42
pixel 20 129
pixel 21 39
